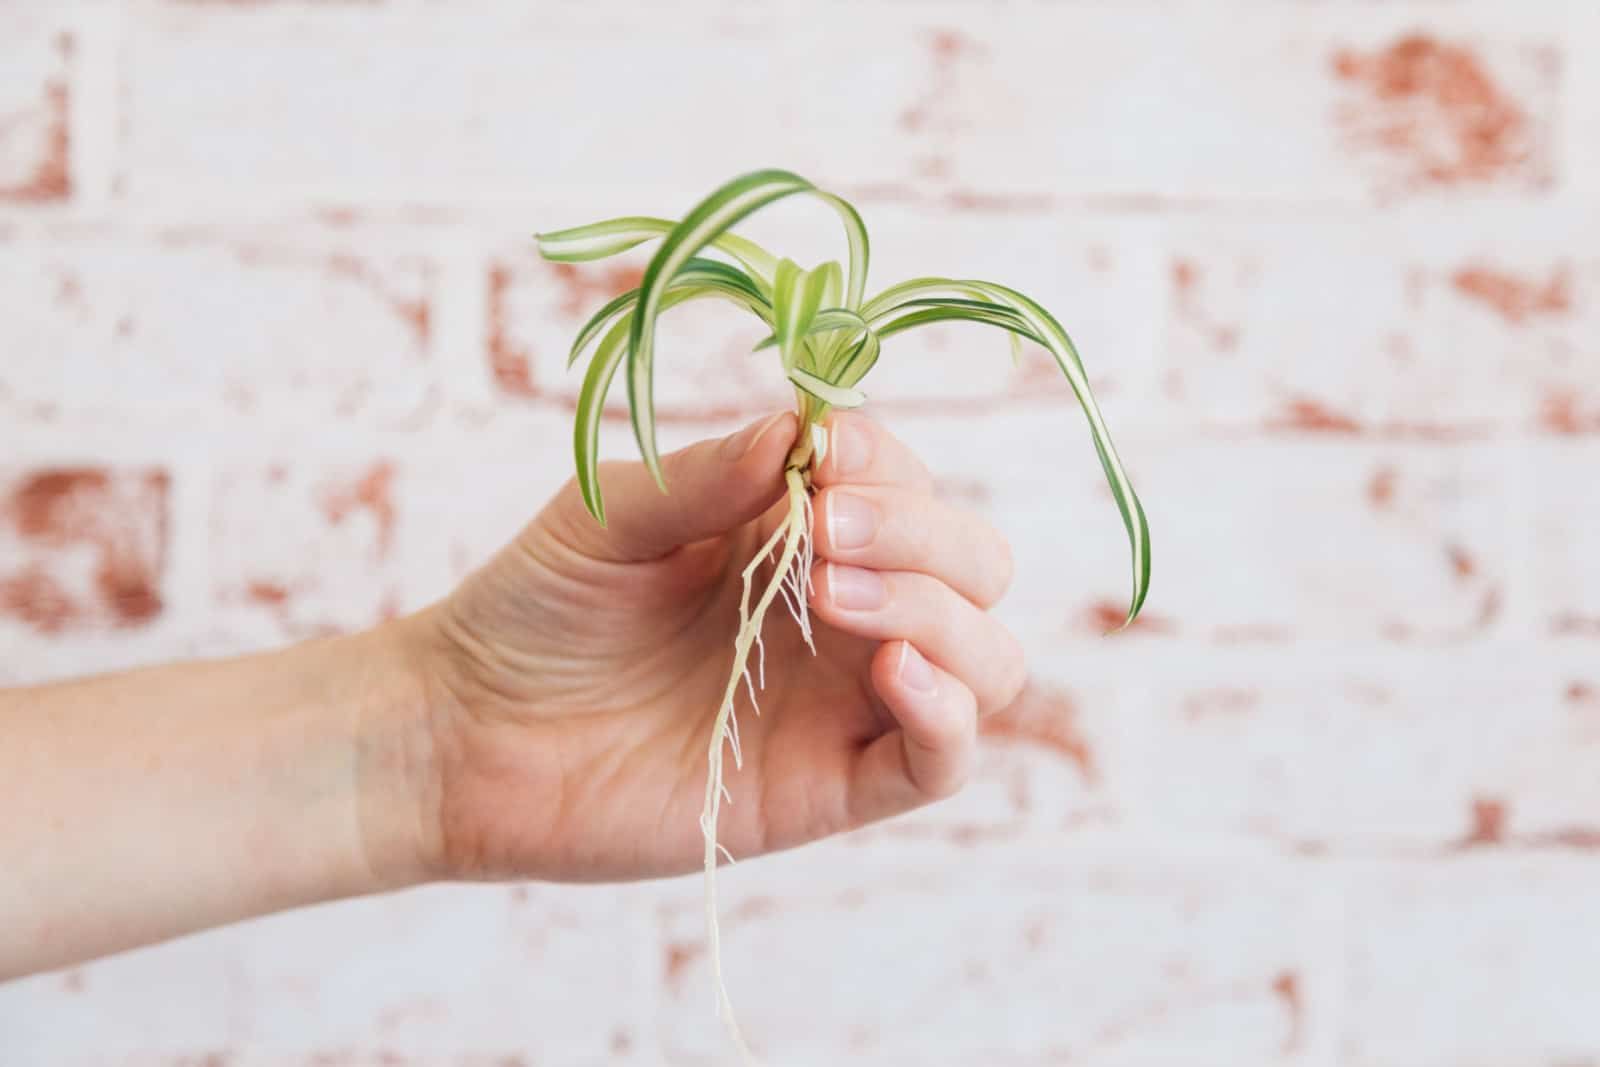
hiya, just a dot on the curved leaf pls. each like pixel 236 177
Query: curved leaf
pixel 838 396
pixel 597 382
pixel 597 240
pixel 580 244
pixel 710 219
pixel 797 296
pixel 1060 346
pixel 844 323
pixel 919 289
pixel 921 317
pixel 702 272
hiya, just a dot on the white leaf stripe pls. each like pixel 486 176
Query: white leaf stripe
pixel 597 383
pixel 861 360
pixel 860 248
pixel 797 296
pixel 581 244
pixel 834 395
pixel 785 297
pixel 586 422
pixel 598 323
pixel 1012 323
pixel 842 321
pixel 716 213
pixel 700 274
pixel 705 273
pixel 600 239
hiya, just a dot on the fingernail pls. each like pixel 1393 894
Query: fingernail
pixel 744 442
pixel 852 445
pixel 852 520
pixel 855 589
pixel 913 670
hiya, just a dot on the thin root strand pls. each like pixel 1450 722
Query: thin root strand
pixel 791 580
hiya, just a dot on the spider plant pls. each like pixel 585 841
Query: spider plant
pixel 827 335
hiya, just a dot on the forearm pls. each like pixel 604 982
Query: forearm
pixel 145 805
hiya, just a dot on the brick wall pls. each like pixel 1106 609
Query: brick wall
pixel 267 301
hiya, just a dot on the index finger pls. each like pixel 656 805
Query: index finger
pixel 861 452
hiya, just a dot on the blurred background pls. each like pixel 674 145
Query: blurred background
pixel 272 321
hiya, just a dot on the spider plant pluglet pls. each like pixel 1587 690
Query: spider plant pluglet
pixel 827 335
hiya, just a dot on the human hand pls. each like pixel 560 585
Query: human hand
pixel 572 681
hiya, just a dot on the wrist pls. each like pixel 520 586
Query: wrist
pixel 395 766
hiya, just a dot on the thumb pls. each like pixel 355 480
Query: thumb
pixel 712 486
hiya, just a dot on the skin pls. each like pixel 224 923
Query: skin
pixel 547 720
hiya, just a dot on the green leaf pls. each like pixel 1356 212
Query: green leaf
pixel 837 319
pixel 580 244
pixel 710 219
pixel 924 315
pixel 1060 346
pixel 834 395
pixel 598 322
pixel 731 281
pixel 797 296
pixel 860 248
pixel 843 323
pixel 915 293
pixel 597 383
pixel 591 402
pixel 600 239
pixel 952 302
pixel 826 350
pixel 757 260
pixel 858 361
pixel 919 289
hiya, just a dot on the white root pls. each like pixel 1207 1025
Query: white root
pixel 791 580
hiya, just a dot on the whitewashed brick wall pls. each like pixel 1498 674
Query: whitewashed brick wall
pixel 268 303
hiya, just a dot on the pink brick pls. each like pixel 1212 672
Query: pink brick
pixel 476 500
pixel 1432 566
pixel 35 95
pixel 1389 326
pixel 1424 756
pixel 213 326
pixel 82 548
pixel 309 548
pixel 1293 104
pixel 1482 960
pixel 1026 953
pixel 1432 111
